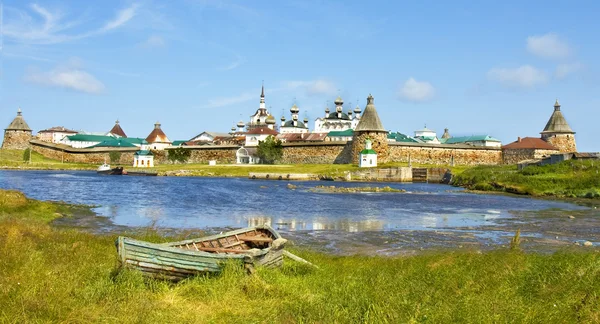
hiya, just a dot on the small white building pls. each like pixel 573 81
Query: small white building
pixel 259 134
pixel 368 157
pixel 55 134
pixel 426 135
pixel 247 155
pixel 143 159
pixel 207 136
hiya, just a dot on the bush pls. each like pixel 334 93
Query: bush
pixel 270 150
pixel 27 155
pixel 180 154
pixel 114 156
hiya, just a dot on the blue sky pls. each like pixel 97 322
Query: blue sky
pixel 476 68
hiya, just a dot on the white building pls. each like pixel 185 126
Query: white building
pixel 208 136
pixel 368 157
pixel 55 134
pixel 338 120
pixel 143 159
pixel 259 119
pixel 426 135
pixel 294 125
pixel 258 134
pixel 247 155
pixel 157 139
pixel 85 140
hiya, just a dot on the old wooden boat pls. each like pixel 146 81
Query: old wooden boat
pixel 250 247
pixel 105 169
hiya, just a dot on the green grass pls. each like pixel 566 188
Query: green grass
pixel 567 179
pixel 14 159
pixel 64 275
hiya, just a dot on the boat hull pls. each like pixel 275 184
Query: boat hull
pixel 250 247
pixel 113 171
pixel 140 173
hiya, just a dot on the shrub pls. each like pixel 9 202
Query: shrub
pixel 270 150
pixel 180 154
pixel 27 155
pixel 114 156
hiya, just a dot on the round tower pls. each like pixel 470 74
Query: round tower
pixel 17 135
pixel 370 127
pixel 558 133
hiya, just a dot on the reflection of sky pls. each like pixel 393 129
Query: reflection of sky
pixel 231 202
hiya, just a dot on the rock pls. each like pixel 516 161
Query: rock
pixel 577 243
pixel 587 243
pixel 291 186
pixel 571 217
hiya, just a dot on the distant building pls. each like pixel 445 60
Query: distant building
pixel 340 136
pixel 558 132
pixel 302 137
pixel 527 148
pixel 294 125
pixel 54 134
pixel 85 140
pixel 474 140
pixel 446 134
pixel 143 159
pixel 157 139
pixel 117 130
pixel 397 137
pixel 258 134
pixel 337 120
pixel 18 134
pixel 207 136
pixel 368 157
pixel 259 119
pixel 370 127
pixel 247 155
pixel 426 135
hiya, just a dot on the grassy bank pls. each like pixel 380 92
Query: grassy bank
pixel 567 179
pixel 58 275
pixel 13 159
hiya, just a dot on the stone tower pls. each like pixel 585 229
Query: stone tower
pixel 17 135
pixel 558 132
pixel 370 127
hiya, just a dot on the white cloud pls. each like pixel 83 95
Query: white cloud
pixel 314 87
pixel 525 76
pixel 154 41
pixel 564 70
pixel 548 46
pixel 416 91
pixel 123 16
pixel 69 76
pixel 50 27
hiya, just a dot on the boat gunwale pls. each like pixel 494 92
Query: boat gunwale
pixel 276 235
pixel 177 250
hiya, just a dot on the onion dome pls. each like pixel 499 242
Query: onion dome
pixel 294 109
pixel 233 129
pixel 270 120
pixel 282 118
pixel 339 101
pixel 357 110
pixel 240 124
pixel 327 109
pixel 305 120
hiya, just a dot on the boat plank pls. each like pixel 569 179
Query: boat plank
pixel 175 262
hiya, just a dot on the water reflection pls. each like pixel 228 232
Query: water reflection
pixel 226 202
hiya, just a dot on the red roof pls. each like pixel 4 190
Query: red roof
pixel 262 130
pixel 302 137
pixel 117 130
pixel 157 135
pixel 58 129
pixel 530 143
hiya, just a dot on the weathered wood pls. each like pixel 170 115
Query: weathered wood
pixel 255 239
pixel 221 250
pixel 297 258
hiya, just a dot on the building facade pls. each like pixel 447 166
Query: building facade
pixel 338 120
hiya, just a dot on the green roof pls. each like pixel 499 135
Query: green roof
pixel 347 132
pixel 473 138
pixel 177 143
pixel 399 137
pixel 134 140
pixel 365 151
pixel 89 138
pixel 426 138
pixel 114 142
pixel 143 152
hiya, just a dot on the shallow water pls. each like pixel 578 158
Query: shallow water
pixel 188 202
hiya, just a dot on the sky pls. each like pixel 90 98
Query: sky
pixel 485 67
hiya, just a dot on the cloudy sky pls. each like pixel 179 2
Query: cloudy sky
pixel 198 65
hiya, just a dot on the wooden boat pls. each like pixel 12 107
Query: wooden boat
pixel 250 247
pixel 140 173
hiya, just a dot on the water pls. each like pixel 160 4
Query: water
pixel 187 202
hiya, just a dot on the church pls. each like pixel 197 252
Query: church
pixel 337 120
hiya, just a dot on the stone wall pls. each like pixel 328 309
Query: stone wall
pixel 316 153
pixel 71 155
pixel 16 139
pixel 444 154
pixel 512 156
pixel 564 142
pixel 379 144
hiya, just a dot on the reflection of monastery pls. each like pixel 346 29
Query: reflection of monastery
pixel 338 136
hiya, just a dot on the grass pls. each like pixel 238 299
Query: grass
pixel 14 159
pixel 64 275
pixel 573 179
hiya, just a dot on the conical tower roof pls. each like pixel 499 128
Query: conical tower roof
pixel 446 134
pixel 557 122
pixel 157 135
pixel 18 123
pixel 117 130
pixel 370 119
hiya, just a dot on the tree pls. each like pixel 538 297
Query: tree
pixel 179 154
pixel 115 156
pixel 270 150
pixel 27 155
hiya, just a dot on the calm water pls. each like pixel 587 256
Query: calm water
pixel 185 202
